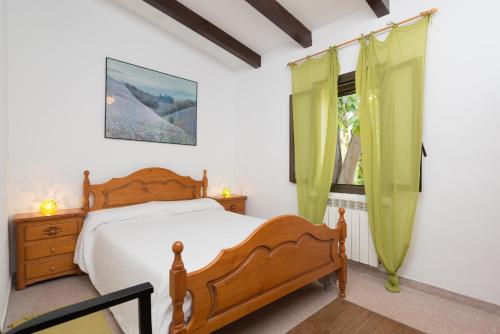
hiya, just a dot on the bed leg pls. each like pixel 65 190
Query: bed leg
pixel 177 290
pixel 342 272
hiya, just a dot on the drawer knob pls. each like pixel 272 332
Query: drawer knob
pixel 52 268
pixel 232 207
pixel 53 250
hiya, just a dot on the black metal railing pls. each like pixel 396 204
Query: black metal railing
pixel 142 292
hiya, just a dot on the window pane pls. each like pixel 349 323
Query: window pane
pixel 351 171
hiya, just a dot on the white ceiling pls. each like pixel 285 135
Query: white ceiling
pixel 243 22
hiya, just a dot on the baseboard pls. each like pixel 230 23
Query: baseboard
pixel 456 297
pixel 432 290
pixel 6 304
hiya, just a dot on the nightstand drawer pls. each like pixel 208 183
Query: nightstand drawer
pixel 234 206
pixel 40 249
pixel 52 229
pixel 49 268
pixel 46 244
pixel 234 203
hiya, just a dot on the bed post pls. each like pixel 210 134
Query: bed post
pixel 205 183
pixel 342 227
pixel 177 290
pixel 86 190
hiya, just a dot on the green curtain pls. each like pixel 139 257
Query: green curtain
pixel 389 81
pixel 315 122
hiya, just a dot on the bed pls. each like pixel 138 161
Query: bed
pixel 223 265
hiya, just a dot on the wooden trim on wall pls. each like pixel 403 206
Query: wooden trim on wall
pixel 379 7
pixel 210 31
pixel 282 18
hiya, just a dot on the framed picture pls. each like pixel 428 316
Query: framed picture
pixel 146 105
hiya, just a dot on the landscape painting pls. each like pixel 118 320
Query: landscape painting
pixel 147 105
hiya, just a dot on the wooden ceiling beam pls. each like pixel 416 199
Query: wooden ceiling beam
pixel 197 23
pixel 278 14
pixel 379 7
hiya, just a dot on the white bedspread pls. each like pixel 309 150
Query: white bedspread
pixel 122 247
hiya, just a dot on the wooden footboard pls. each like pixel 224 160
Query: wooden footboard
pixel 281 256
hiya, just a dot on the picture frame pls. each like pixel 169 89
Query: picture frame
pixel 142 104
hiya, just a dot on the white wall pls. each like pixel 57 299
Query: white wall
pixel 4 229
pixel 456 234
pixel 57 53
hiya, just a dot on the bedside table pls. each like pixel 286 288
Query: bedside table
pixel 46 245
pixel 235 203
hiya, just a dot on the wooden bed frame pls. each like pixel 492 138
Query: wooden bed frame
pixel 282 255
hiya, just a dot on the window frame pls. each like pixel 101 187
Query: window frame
pixel 346 86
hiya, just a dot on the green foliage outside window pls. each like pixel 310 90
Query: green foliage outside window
pixel 349 159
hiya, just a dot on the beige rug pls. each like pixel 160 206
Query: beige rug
pixel 92 323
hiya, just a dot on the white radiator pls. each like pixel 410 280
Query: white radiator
pixel 359 243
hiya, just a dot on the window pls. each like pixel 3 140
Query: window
pixel 348 172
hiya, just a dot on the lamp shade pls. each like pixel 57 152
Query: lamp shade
pixel 48 206
pixel 226 193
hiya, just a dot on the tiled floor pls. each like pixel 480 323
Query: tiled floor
pixel 420 310
pixel 50 295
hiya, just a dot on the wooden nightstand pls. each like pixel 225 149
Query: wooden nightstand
pixel 235 203
pixel 46 245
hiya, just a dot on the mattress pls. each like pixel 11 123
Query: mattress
pixel 122 247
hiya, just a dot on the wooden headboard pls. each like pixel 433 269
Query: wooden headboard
pixel 145 185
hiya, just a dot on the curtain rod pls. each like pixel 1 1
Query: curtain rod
pixel 354 40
